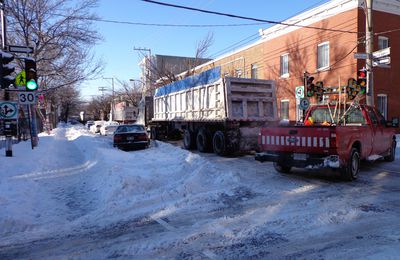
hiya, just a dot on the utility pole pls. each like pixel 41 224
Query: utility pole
pixel 369 48
pixel 146 77
pixel 112 101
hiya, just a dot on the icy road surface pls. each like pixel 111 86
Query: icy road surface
pixel 77 197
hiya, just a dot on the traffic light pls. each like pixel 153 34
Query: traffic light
pixel 319 86
pixel 351 89
pixel 6 69
pixel 362 77
pixel 362 80
pixel 30 71
pixel 310 86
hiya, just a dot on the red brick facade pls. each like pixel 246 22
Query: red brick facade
pixel 344 32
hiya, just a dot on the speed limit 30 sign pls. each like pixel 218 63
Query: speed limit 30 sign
pixel 27 98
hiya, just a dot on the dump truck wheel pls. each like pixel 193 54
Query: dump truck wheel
pixel 189 141
pixel 219 143
pixel 203 141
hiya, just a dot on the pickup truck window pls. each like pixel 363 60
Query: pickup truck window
pixel 355 116
pixel 371 113
pixel 322 114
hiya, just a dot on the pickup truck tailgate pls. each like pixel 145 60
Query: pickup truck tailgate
pixel 298 139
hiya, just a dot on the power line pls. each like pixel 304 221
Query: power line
pixel 245 18
pixel 162 24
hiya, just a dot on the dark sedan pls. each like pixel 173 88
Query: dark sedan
pixel 131 137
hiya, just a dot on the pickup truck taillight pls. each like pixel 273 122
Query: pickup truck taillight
pixel 333 140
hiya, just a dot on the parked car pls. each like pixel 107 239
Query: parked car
pixel 89 124
pixel 95 128
pixel 130 137
pixel 108 128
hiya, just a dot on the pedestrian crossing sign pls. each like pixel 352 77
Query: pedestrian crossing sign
pixel 20 79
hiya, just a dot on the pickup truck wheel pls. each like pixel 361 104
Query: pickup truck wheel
pixel 392 153
pixel 219 143
pixel 189 141
pixel 282 169
pixel 203 141
pixel 350 171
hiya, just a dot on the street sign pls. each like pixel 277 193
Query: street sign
pixel 300 92
pixel 361 56
pixel 8 110
pixel 381 53
pixel 382 63
pixel 27 98
pixel 304 103
pixel 20 49
pixel 20 79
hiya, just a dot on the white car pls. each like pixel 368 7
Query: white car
pixel 108 128
pixel 96 127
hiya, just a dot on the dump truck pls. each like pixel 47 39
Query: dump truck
pixel 214 113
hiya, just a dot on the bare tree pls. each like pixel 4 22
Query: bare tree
pixel 61 35
pixel 130 93
pixel 99 106
pixel 164 73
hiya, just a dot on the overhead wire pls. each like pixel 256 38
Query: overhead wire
pixel 245 18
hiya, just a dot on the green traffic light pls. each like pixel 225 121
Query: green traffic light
pixel 31 85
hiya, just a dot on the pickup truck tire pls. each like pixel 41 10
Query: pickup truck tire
pixel 392 153
pixel 350 171
pixel 189 141
pixel 282 169
pixel 219 143
pixel 203 140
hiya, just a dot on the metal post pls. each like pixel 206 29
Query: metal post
pixel 369 48
pixel 3 26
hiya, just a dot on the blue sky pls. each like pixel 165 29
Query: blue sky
pixel 119 40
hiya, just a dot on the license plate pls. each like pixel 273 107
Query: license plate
pixel 300 156
pixel 130 138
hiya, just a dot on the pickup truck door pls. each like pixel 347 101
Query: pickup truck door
pixel 379 144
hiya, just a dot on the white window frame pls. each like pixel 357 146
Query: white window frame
pixel 254 71
pixel 383 42
pixel 383 107
pixel 327 62
pixel 280 111
pixel 284 65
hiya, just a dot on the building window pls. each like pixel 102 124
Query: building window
pixel 323 56
pixel 285 109
pixel 382 104
pixel 254 71
pixel 285 65
pixel 383 42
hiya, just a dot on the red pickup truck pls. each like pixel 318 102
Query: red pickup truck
pixel 330 137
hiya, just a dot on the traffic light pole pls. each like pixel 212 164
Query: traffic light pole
pixel 369 48
pixel 6 94
pixel 3 26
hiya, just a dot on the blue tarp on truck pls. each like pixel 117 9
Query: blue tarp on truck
pixel 206 77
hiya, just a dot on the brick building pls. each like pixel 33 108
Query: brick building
pixel 323 43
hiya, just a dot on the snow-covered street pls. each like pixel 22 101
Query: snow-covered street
pixel 76 197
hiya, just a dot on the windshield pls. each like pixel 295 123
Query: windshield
pixel 130 128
